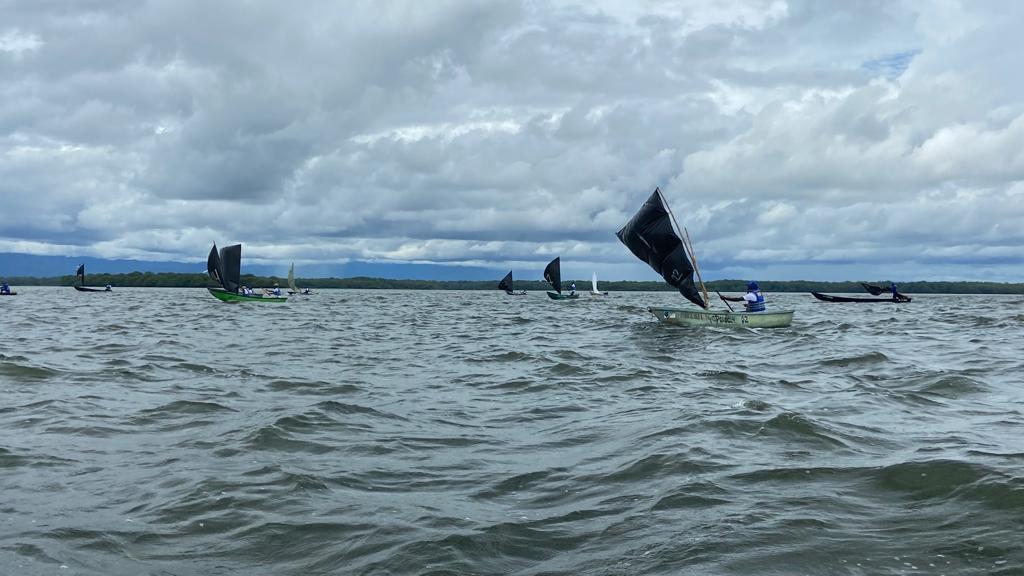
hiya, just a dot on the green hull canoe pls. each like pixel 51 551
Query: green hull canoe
pixel 225 296
pixel 680 317
pixel 557 296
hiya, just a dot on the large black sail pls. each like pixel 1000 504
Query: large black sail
pixel 553 274
pixel 506 283
pixel 81 273
pixel 650 236
pixel 231 267
pixel 213 266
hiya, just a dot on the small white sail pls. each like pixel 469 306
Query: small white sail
pixel 593 284
pixel 291 278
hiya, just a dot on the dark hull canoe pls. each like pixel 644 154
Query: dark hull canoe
pixel 557 296
pixel 8 293
pixel 225 296
pixel 831 298
pixel 87 289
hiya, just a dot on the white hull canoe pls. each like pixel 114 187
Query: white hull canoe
pixel 681 317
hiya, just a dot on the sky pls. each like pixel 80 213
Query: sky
pixel 793 139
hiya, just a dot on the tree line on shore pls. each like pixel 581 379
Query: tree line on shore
pixel 181 280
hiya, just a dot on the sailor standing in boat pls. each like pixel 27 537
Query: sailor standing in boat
pixel 895 293
pixel 753 300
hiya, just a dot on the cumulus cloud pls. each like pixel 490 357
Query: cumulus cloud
pixel 792 137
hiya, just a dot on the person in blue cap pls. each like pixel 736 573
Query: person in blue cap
pixel 753 300
pixel 895 293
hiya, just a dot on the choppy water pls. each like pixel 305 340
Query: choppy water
pixel 157 431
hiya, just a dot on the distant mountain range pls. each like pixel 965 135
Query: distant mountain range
pixel 13 264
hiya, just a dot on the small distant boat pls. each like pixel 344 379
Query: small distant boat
pixel 652 236
pixel 593 286
pixel 553 274
pixel 12 293
pixel 83 288
pixel 508 286
pixel 225 268
pixel 291 283
pixel 830 298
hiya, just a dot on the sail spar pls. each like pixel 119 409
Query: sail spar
pixel 506 283
pixel 553 274
pixel 652 238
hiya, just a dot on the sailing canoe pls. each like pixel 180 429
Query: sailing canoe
pixel 831 298
pixel 553 275
pixel 508 286
pixel 82 287
pixel 653 237
pixel 224 268
pixel 683 317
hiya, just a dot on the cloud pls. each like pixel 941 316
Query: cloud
pixel 786 134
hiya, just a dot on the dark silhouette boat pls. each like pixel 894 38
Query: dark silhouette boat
pixel 82 287
pixel 900 298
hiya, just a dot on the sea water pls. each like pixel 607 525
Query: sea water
pixel 159 431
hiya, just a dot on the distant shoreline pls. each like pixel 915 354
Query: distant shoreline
pixel 178 280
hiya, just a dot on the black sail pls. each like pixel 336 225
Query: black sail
pixel 231 267
pixel 873 289
pixel 650 236
pixel 213 266
pixel 506 282
pixel 81 272
pixel 553 274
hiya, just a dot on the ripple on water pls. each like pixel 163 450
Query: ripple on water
pixel 375 432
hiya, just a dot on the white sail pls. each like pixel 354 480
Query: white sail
pixel 291 278
pixel 593 284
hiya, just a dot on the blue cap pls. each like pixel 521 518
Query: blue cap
pixel 752 286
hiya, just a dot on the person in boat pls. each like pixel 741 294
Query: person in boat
pixel 572 289
pixel 109 288
pixel 753 300
pixel 306 291
pixel 4 288
pixel 896 296
pixel 275 292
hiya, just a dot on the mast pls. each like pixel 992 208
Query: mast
pixel 689 249
pixel 696 268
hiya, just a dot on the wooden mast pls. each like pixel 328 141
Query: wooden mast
pixel 696 268
pixel 689 249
